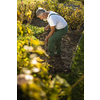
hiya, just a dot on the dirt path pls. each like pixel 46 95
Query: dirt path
pixel 69 43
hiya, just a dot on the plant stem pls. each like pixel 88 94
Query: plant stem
pixel 77 82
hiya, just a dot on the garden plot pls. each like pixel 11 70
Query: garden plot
pixel 69 44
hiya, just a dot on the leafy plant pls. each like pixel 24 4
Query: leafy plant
pixel 25 30
pixel 76 19
pixel 26 12
pixel 77 67
pixel 37 30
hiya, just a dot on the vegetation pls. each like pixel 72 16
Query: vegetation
pixel 26 12
pixel 37 30
pixel 26 1
pixel 25 30
pixel 37 83
pixel 77 72
pixel 73 12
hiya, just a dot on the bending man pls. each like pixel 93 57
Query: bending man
pixel 58 27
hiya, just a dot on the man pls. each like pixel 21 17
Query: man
pixel 58 27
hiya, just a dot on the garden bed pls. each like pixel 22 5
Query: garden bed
pixel 29 52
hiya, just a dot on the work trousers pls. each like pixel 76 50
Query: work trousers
pixel 54 42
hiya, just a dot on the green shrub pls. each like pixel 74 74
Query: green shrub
pixel 62 1
pixel 26 12
pixel 25 30
pixel 76 19
pixel 77 71
pixel 37 30
pixel 81 1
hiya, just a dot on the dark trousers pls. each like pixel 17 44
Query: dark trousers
pixel 54 42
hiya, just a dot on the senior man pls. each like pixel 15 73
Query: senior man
pixel 58 26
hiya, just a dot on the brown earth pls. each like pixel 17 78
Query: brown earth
pixel 69 44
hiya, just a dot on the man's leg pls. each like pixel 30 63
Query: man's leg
pixel 58 47
pixel 51 45
pixel 56 37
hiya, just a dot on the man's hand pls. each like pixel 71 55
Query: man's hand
pixel 50 34
pixel 46 28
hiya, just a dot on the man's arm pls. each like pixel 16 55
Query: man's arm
pixel 51 33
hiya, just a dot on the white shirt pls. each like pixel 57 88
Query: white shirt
pixel 56 20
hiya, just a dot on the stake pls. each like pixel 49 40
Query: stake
pixel 45 46
pixel 45 51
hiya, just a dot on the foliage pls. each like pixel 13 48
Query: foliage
pixel 25 30
pixel 63 1
pixel 73 12
pixel 48 5
pixel 25 45
pixel 38 84
pixel 77 71
pixel 26 12
pixel 37 30
pixel 76 19
pixel 81 1
pixel 46 89
pixel 26 1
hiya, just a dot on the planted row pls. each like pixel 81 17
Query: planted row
pixel 25 30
